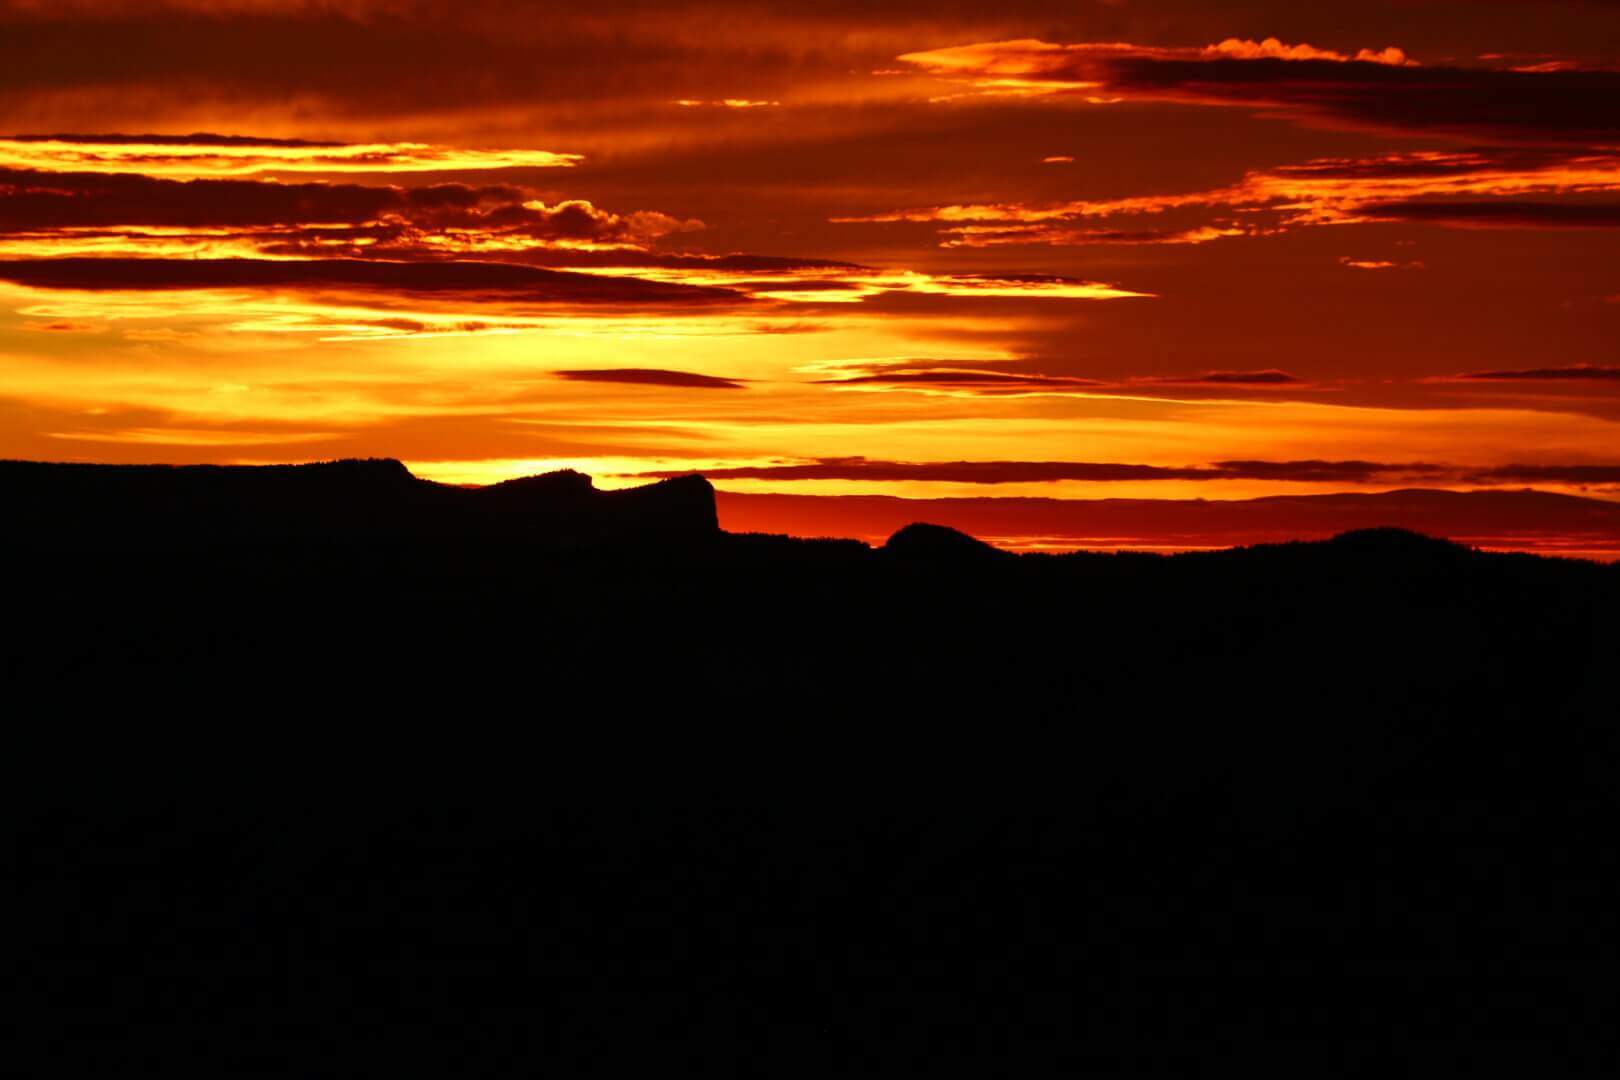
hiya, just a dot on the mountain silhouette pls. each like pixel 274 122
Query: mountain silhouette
pixel 940 543
pixel 1487 518
pixel 1376 753
pixel 334 502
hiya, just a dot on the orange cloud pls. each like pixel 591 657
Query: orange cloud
pixel 983 236
pixel 49 213
pixel 1377 264
pixel 1422 186
pixel 206 155
pixel 843 283
pixel 1272 49
pixel 1031 66
pixel 119 214
pixel 966 382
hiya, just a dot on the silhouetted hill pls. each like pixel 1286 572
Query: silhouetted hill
pixel 938 542
pixel 1380 754
pixel 1388 541
pixel 1495 518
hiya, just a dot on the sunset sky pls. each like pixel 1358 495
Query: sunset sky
pixel 1097 249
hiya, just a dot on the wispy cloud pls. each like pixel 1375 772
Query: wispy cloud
pixel 1024 472
pixel 999 379
pixel 1376 88
pixel 1474 188
pixel 651 377
pixel 209 155
pixel 1574 372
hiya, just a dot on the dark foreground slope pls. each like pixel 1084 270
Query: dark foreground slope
pixel 1380 753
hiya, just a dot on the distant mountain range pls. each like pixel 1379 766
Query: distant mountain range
pixel 1378 753
pixel 1538 521
pixel 380 497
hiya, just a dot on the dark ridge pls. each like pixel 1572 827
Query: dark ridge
pixel 567 483
pixel 1486 518
pixel 675 507
pixel 1390 542
pixel 1372 755
pixel 337 502
pixel 923 542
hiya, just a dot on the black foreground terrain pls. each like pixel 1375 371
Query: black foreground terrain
pixel 1378 755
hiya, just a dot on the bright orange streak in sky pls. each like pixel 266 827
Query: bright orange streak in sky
pixel 203 160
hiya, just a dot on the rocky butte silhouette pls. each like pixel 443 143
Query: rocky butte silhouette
pixel 1381 753
pixel 334 502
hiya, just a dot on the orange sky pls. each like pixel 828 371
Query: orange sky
pixel 1115 249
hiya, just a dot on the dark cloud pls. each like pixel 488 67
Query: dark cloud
pixel 199 138
pixel 986 381
pixel 937 375
pixel 1500 214
pixel 497 281
pixel 399 218
pixel 628 257
pixel 1354 472
pixel 651 377
pixel 32 200
pixel 1537 107
pixel 1550 103
pixel 1576 372
pixel 1267 377
pixel 1548 474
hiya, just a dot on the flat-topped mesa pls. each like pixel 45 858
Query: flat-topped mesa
pixel 114 507
pixel 680 504
pixel 568 502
